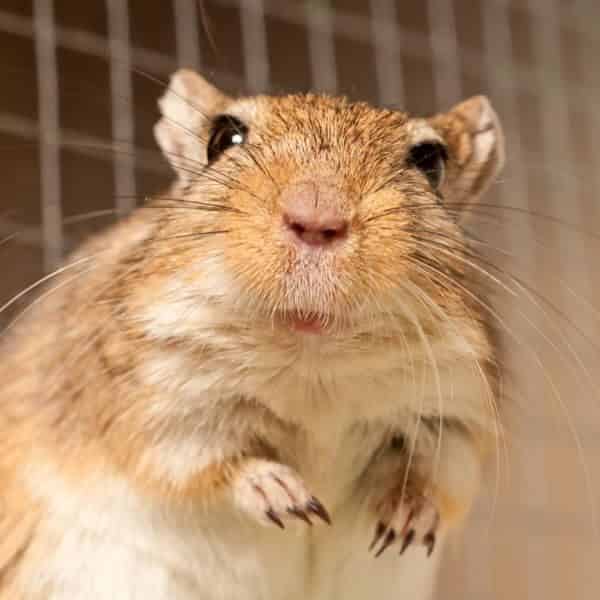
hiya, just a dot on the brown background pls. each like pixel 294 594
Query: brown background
pixel 69 98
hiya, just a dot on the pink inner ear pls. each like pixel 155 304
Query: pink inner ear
pixel 171 146
pixel 195 95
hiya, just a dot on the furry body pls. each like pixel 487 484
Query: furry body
pixel 161 419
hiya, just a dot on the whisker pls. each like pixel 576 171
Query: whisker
pixel 459 208
pixel 515 279
pixel 555 392
pixel 43 280
pixel 165 85
pixel 499 438
pixel 248 148
pixel 8 238
pixel 43 297
pixel 175 203
pixel 68 221
pixel 195 235
pixel 96 214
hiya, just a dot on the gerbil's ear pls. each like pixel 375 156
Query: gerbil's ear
pixel 185 107
pixel 475 144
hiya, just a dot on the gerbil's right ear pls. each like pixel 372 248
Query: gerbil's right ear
pixel 185 107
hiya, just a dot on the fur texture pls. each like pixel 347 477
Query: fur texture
pixel 162 418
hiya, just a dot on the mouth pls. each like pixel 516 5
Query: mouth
pixel 304 324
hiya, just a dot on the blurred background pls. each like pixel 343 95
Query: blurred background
pixel 76 150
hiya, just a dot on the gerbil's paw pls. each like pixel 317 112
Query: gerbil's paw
pixel 271 493
pixel 405 518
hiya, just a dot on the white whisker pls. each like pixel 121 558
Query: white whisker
pixel 43 280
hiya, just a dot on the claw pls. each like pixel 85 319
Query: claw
pixel 314 506
pixel 379 531
pixel 429 542
pixel 410 536
pixel 271 515
pixel 409 518
pixel 387 541
pixel 298 512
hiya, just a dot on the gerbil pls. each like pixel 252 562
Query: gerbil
pixel 286 338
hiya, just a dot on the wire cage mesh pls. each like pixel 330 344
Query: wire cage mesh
pixel 76 116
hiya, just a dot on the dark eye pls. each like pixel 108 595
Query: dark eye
pixel 226 131
pixel 430 158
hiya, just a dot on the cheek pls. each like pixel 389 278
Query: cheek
pixel 255 248
pixel 385 240
pixel 189 300
pixel 385 263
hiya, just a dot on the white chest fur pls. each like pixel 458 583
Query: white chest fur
pixel 114 545
pixel 111 543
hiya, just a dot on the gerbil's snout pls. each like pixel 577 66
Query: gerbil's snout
pixel 314 214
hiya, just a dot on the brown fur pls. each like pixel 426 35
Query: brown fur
pixel 74 398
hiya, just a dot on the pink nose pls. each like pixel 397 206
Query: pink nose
pixel 312 215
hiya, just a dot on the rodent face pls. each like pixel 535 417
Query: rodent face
pixel 321 216
pixel 320 166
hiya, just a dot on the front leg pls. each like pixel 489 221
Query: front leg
pixel 271 493
pixel 407 514
pixel 255 483
pixel 421 489
pixel 241 468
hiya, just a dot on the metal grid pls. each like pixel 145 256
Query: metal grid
pixel 68 133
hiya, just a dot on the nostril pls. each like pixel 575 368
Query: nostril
pixel 316 232
pixel 298 229
pixel 332 233
pixel 315 214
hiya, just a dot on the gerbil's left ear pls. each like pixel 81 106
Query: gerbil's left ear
pixel 475 144
pixel 185 107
